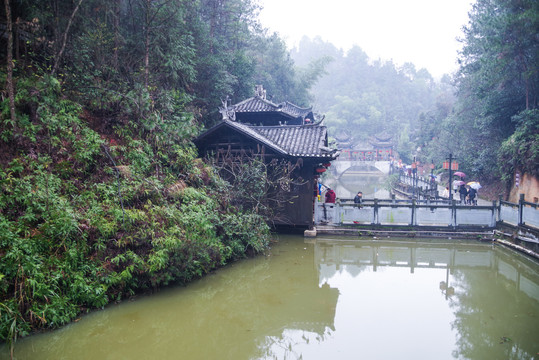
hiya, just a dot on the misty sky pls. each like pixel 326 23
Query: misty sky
pixel 423 32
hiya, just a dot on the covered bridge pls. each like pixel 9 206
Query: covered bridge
pixel 305 146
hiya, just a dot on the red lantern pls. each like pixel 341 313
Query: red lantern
pixel 320 170
pixel 455 166
pixel 446 165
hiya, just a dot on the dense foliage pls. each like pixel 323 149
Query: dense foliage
pixel 87 218
pixel 102 195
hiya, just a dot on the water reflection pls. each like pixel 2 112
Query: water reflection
pixel 421 300
pixel 346 299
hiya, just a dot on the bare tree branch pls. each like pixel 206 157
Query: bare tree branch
pixel 64 41
pixel 9 81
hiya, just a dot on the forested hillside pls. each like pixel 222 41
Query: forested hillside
pixel 102 195
pixel 485 115
pixel 364 97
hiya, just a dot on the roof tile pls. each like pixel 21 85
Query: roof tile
pixel 299 141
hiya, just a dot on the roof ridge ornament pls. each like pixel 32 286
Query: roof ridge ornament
pixel 227 112
pixel 260 92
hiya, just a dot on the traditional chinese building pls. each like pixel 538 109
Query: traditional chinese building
pixel 303 144
pixel 258 110
pixel 378 148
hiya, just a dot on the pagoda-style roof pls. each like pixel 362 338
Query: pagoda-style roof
pixel 307 141
pixel 381 140
pixel 257 104
pixel 383 137
pixel 259 110
pixel 342 136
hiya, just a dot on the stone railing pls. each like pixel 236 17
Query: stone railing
pixel 399 213
pixel 524 213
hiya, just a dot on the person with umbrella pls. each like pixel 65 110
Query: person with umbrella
pixel 472 193
pixel 463 192
pixel 456 184
pixel 471 196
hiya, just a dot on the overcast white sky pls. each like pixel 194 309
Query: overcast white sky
pixel 422 32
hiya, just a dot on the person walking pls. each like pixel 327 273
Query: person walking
pixel 445 193
pixel 330 196
pixel 471 196
pixel 463 192
pixel 358 199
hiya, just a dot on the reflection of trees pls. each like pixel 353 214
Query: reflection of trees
pixel 232 313
pixel 288 345
pixel 487 287
pixel 485 317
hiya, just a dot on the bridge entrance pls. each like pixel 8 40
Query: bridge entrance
pixel 357 167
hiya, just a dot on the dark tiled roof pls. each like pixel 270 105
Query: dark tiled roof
pixel 251 132
pixel 383 136
pixel 255 104
pixel 298 141
pixel 295 110
pixel 258 104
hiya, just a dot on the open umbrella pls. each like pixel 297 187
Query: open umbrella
pixel 459 173
pixel 458 182
pixel 474 185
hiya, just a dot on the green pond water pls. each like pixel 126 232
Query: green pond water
pixel 325 299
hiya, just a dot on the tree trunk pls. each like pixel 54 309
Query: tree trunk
pixel 9 81
pixel 147 46
pixel 64 41
pixel 117 8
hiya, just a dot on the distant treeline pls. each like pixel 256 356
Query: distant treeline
pixel 485 114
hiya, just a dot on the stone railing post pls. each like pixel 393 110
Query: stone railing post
pixel 375 213
pixel 493 219
pixel 500 207
pixel 413 219
pixel 520 209
pixel 454 213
